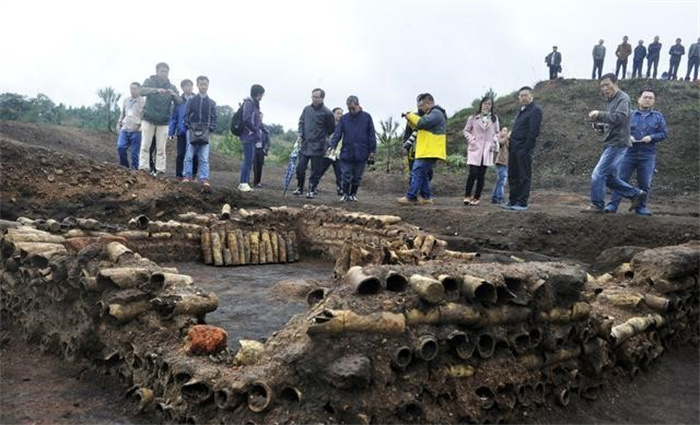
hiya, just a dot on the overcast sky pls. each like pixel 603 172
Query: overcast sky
pixel 385 52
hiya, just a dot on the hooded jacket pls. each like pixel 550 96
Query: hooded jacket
pixel 158 108
pixel 359 137
pixel 316 123
pixel 431 142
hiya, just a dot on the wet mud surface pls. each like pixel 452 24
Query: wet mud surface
pixel 248 306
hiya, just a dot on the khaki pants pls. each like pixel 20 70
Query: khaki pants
pixel 147 131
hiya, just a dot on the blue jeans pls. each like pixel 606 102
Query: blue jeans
pixel 644 163
pixel 202 152
pixel 126 140
pixel 248 156
pixel 502 173
pixel 420 179
pixel 605 174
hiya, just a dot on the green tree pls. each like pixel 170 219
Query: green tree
pixel 110 99
pixel 388 140
pixel 13 106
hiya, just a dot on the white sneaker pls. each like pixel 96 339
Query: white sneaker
pixel 245 187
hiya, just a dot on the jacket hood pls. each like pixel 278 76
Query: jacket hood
pixel 439 108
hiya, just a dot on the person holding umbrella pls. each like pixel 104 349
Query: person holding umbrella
pixel 356 129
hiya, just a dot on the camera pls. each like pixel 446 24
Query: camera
pixel 598 126
pixel 410 141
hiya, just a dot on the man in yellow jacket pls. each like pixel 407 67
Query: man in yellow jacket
pixel 431 145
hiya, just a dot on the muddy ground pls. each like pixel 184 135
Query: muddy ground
pixel 56 172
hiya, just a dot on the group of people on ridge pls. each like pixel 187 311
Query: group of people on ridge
pixel 639 53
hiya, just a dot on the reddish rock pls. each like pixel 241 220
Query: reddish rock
pixel 205 339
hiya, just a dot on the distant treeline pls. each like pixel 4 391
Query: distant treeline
pixel 41 109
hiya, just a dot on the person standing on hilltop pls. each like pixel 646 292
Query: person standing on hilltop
pixel 615 122
pixel 526 129
pixel 553 61
pixel 177 129
pixel 647 128
pixel 316 123
pixel 693 60
pixel 129 127
pixel 640 52
pixel 160 95
pixel 676 51
pixel 598 59
pixel 481 132
pixel 431 145
pixel 356 130
pixel 653 56
pixel 624 50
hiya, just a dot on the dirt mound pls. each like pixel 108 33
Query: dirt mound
pixel 568 149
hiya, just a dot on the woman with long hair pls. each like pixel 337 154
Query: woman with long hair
pixel 481 133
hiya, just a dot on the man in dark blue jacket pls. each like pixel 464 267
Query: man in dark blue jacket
pixel 647 128
pixel 653 56
pixel 316 123
pixel 200 121
pixel 177 129
pixel 676 51
pixel 526 129
pixel 640 52
pixel 356 129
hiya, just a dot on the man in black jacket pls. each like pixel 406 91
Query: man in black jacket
pixel 315 125
pixel 526 128
pixel 553 61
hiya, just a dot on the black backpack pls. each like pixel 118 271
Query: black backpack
pixel 237 124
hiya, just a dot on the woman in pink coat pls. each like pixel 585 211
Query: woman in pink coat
pixel 481 133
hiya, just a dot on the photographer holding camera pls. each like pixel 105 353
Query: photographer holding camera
pixel 431 145
pixel 356 129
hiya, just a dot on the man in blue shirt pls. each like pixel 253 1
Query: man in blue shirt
pixel 647 127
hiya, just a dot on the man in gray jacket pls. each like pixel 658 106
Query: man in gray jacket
pixel 598 59
pixel 615 123
pixel 315 125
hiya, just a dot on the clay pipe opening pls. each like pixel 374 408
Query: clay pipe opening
pixel 290 394
pixel 142 222
pixel 486 345
pixel 315 296
pixel 562 395
pixel 259 397
pixel 478 289
pixel 486 397
pixel 463 345
pixel 451 285
pixel 426 347
pixel 363 284
pixel 402 357
pixel 396 282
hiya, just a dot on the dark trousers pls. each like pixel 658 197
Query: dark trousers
pixel 597 66
pixel 352 175
pixel 692 63
pixel 180 159
pixel 327 163
pixel 673 68
pixel 553 70
pixel 152 155
pixel 316 170
pixel 621 64
pixel 476 173
pixel 258 162
pixel 519 175
pixel 637 68
pixel 655 62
